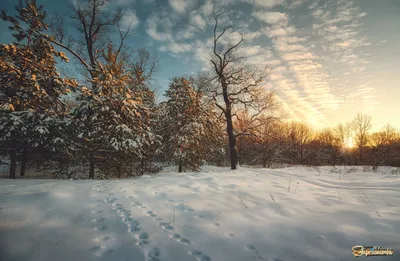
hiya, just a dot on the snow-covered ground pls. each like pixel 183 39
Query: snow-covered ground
pixel 217 214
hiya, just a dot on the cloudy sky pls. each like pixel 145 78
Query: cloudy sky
pixel 331 59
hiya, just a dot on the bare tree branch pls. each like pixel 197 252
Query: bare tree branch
pixel 72 52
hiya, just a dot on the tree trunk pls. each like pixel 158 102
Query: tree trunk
pixel 301 154
pixel 232 138
pixel 362 156
pixel 37 165
pixel 91 168
pixel 142 166
pixel 13 163
pixel 180 168
pixel 264 160
pixel 119 172
pixel 269 164
pixel 229 126
pixel 23 163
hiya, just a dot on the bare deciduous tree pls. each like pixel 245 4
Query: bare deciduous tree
pixel 270 143
pixel 361 126
pixel 235 87
pixel 300 135
pixel 92 24
pixel 343 132
pixel 383 145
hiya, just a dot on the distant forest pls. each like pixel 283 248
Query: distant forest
pixel 104 119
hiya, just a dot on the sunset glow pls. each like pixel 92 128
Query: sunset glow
pixel 350 143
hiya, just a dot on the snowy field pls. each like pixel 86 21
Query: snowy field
pixel 287 214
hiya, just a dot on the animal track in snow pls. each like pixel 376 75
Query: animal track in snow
pixel 126 217
pixel 101 248
pixel 138 204
pixel 250 248
pixel 151 213
pixel 180 239
pixel 166 226
pixel 134 226
pixel 199 256
pixel 142 239
pixel 154 254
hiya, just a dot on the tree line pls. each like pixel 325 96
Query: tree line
pixel 351 143
pixel 104 116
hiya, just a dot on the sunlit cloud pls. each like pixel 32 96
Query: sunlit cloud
pixel 304 85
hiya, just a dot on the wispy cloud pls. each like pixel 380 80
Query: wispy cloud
pixel 129 19
pixel 339 29
pixel 195 19
pixel 208 7
pixel 338 26
pixel 271 17
pixel 265 3
pixel 187 32
pixel 304 82
pixel 159 27
pixel 176 48
pixel 180 6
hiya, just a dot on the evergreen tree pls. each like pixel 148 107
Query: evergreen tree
pixel 189 126
pixel 30 87
pixel 112 122
pixel 141 67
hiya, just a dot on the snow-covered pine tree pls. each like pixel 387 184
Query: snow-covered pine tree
pixel 215 139
pixel 111 121
pixel 30 86
pixel 142 65
pixel 161 122
pixel 189 127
